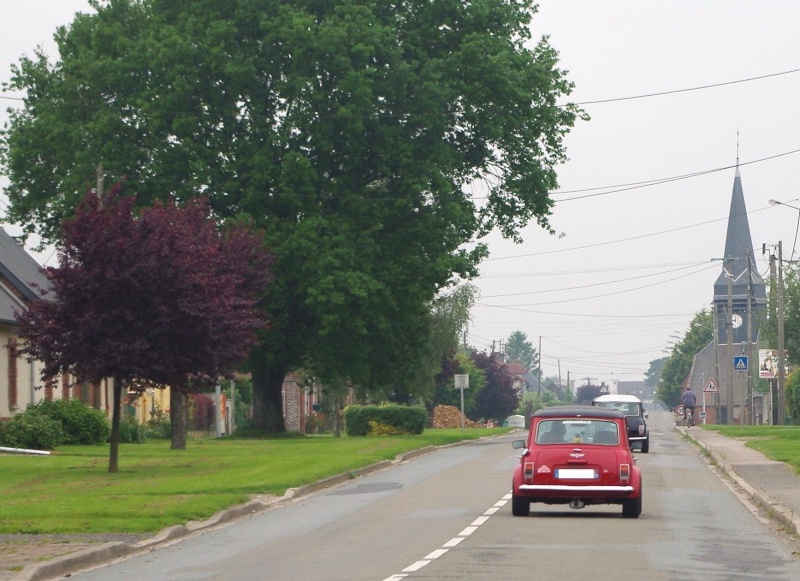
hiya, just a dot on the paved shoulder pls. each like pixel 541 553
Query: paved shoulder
pixel 773 485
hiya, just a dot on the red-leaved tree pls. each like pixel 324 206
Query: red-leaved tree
pixel 162 296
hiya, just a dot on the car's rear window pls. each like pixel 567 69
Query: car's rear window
pixel 627 408
pixel 588 431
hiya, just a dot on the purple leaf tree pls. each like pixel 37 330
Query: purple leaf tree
pixel 161 296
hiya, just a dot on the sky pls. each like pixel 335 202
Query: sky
pixel 676 91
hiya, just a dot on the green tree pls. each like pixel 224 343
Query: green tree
pixel 679 363
pixel 532 402
pixel 793 396
pixel 653 374
pixel 519 349
pixel 450 315
pixel 791 314
pixel 445 392
pixel 346 130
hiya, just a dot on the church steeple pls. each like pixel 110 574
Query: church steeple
pixel 738 265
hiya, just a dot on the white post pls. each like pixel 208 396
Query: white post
pixel 218 422
pixel 233 406
pixel 462 383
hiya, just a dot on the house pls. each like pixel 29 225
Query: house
pixel 22 282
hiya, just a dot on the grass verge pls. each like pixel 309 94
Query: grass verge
pixel 781 443
pixel 71 491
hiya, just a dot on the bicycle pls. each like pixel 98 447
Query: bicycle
pixel 688 417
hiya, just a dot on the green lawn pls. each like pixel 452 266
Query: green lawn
pixel 780 443
pixel 71 491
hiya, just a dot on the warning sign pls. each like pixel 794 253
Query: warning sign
pixel 711 386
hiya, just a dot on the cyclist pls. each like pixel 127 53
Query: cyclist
pixel 689 401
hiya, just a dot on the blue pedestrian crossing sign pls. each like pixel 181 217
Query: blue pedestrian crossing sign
pixel 740 362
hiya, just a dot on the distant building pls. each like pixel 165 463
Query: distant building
pixel 738 281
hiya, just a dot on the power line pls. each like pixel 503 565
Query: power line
pixel 584 285
pixel 648 235
pixel 656 182
pixel 674 91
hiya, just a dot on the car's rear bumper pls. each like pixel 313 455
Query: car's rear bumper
pixel 578 490
pixel 637 438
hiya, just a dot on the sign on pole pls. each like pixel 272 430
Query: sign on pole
pixel 740 362
pixel 711 386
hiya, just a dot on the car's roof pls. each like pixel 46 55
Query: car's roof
pixel 577 411
pixel 617 397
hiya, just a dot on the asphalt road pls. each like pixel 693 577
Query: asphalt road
pixel 446 515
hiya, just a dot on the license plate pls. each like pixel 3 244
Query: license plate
pixel 576 473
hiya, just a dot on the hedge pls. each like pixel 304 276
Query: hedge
pixel 406 419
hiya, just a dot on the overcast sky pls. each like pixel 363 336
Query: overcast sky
pixel 632 264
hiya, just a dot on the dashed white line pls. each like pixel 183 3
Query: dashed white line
pixel 452 542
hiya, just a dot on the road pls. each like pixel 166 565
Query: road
pixel 446 515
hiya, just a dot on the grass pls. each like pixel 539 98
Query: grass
pixel 781 443
pixel 71 491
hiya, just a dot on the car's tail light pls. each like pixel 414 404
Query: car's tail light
pixel 624 472
pixel 641 429
pixel 528 472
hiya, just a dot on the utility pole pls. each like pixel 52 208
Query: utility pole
pixel 781 347
pixel 540 364
pixel 716 363
pixel 752 419
pixel 729 353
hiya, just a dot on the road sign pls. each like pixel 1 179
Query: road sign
pixel 740 362
pixel 711 386
pixel 679 410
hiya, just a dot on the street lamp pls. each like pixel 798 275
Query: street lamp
pixel 797 229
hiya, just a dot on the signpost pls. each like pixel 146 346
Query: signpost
pixel 711 387
pixel 462 383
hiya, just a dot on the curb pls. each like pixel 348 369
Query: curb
pixel 774 509
pixel 74 562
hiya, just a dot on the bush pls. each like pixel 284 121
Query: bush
pixel 405 419
pixel 376 429
pixel 793 395
pixel 33 430
pixel 132 432
pixel 159 426
pixel 82 424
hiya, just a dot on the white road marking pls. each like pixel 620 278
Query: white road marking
pixel 415 567
pixel 452 542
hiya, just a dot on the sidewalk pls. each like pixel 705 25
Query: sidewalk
pixel 773 485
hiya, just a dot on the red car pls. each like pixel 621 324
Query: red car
pixel 577 455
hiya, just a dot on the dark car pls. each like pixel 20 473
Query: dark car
pixel 631 406
pixel 578 456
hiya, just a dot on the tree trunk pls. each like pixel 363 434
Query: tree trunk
pixel 113 458
pixel 267 395
pixel 178 413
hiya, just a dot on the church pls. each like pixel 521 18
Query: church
pixel 720 374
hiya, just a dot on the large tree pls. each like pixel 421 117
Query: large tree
pixel 347 130
pixel 676 368
pixel 519 349
pixel 499 398
pixel 161 297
